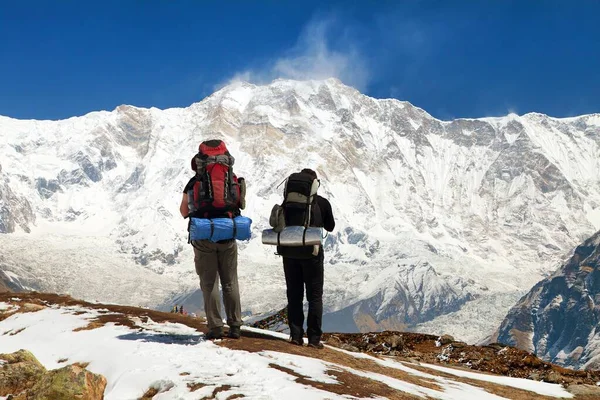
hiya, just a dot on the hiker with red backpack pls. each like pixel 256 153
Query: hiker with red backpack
pixel 212 200
pixel 294 223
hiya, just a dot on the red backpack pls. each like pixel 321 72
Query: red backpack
pixel 217 191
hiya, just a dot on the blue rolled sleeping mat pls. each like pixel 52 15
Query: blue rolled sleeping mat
pixel 216 229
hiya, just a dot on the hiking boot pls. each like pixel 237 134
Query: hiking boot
pixel 234 332
pixel 215 333
pixel 316 345
pixel 297 341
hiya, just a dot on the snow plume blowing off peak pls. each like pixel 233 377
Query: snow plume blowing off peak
pixel 320 52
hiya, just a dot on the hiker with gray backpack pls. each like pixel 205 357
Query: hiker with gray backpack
pixel 213 200
pixel 297 225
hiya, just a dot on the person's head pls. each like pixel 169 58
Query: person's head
pixel 309 172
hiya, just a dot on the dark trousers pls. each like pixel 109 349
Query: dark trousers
pixel 298 274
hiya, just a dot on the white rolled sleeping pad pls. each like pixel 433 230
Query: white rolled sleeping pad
pixel 293 236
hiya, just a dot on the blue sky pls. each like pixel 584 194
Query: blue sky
pixel 454 59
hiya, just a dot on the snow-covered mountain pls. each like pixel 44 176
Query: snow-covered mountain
pixel 441 225
pixel 9 282
pixel 559 318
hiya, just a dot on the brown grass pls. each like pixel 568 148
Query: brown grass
pixel 418 347
pixel 500 390
pixel 13 333
pixel 92 325
pixel 328 355
pixel 119 315
pixel 150 393
pixel 218 390
pixel 6 315
pixel 349 384
pixel 195 386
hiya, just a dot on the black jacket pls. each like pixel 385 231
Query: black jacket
pixel 325 219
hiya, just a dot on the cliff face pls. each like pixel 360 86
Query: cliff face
pixel 558 319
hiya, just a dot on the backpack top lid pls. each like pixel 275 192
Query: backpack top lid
pixel 212 151
pixel 301 187
pixel 213 147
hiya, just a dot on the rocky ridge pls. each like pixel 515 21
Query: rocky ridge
pixel 558 319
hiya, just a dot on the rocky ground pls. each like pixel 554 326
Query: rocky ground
pixel 412 349
pixel 495 358
pixel 22 377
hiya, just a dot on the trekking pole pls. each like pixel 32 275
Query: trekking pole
pixel 281 183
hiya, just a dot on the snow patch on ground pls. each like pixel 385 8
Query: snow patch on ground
pixel 542 388
pixel 171 356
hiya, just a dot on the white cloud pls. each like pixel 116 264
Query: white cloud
pixel 313 57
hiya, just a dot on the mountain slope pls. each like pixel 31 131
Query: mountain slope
pixel 470 202
pixel 4 285
pixel 558 319
pixel 10 282
pixel 142 351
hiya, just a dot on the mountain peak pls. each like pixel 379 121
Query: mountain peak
pixel 476 199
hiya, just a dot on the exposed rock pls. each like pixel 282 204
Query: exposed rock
pixel 23 377
pixel 496 359
pixel 553 377
pixel 445 339
pixel 72 215
pixel 91 170
pixel 9 285
pixel 15 211
pixel 272 321
pixel 134 128
pixel 534 376
pixel 135 180
pixel 74 177
pixel 558 318
pixel 20 371
pixel 333 340
pixel 4 283
pixel 67 383
pixel 144 258
pixel 591 391
pixel 397 342
pixel 31 307
pixel 349 347
pixel 47 188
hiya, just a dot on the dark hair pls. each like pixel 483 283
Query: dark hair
pixel 310 172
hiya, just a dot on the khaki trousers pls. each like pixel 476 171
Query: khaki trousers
pixel 216 261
